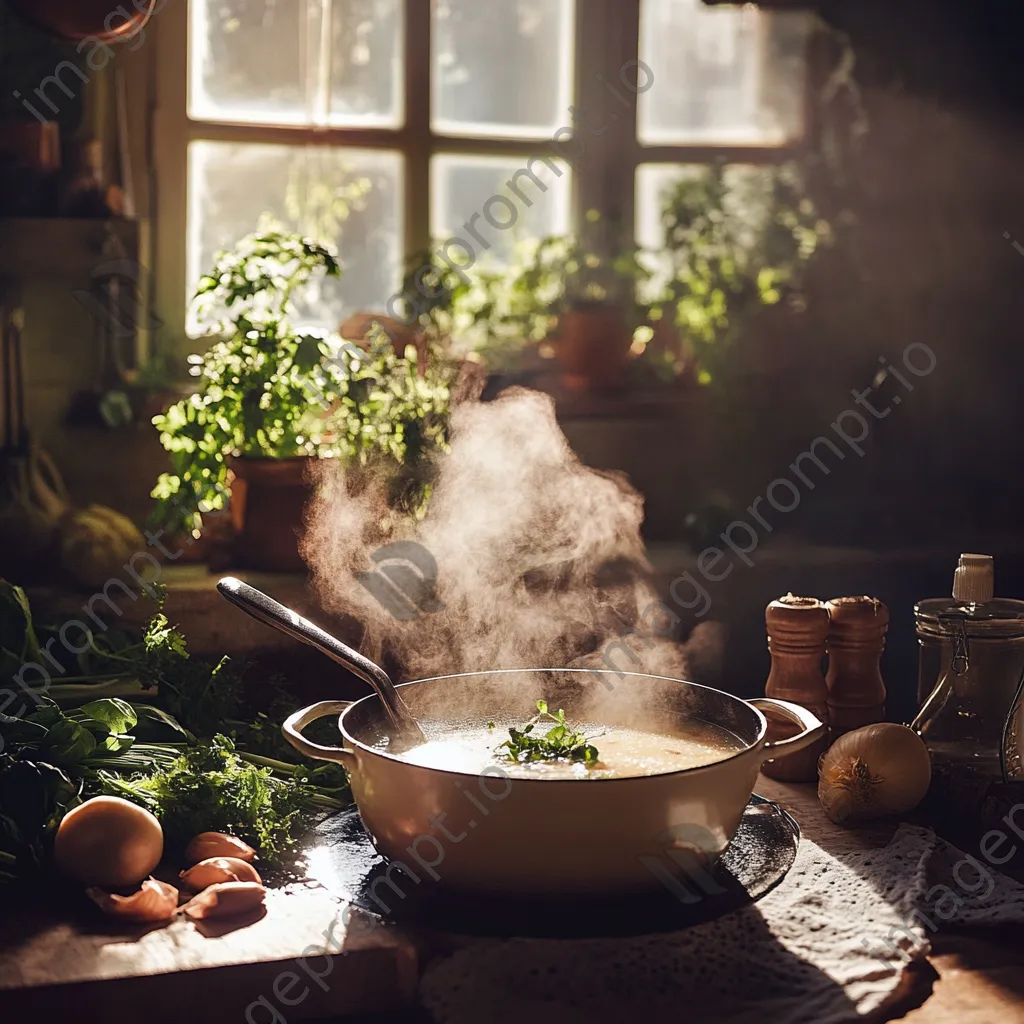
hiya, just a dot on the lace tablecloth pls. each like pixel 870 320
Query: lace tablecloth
pixel 830 944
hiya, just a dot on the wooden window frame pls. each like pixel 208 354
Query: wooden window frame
pixel 606 42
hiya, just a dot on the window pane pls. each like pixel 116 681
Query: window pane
pixel 502 67
pixel 721 74
pixel 475 191
pixel 351 198
pixel 318 62
pixel 652 182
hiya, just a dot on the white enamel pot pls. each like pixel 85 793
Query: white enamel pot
pixel 492 833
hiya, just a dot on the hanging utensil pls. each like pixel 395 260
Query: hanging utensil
pixel 274 614
pixel 106 403
pixel 33 498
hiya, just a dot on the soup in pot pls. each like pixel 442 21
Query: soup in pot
pixel 622 752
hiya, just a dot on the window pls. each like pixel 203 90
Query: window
pixel 726 75
pixel 730 82
pixel 380 125
pixel 501 67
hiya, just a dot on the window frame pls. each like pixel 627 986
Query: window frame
pixel 606 40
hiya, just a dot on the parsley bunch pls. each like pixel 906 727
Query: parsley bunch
pixel 559 743
pixel 211 788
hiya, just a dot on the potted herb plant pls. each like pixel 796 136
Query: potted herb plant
pixel 272 397
pixel 598 313
pixel 478 316
pixel 557 290
pixel 737 242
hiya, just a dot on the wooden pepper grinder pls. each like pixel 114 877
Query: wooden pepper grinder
pixel 856 639
pixel 797 632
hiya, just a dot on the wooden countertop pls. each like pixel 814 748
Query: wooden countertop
pixel 65 956
pixel 57 953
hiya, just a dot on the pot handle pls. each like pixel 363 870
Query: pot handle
pixel 294 725
pixel 812 728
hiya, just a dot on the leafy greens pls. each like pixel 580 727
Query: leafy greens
pixel 212 788
pixel 165 752
pixel 559 743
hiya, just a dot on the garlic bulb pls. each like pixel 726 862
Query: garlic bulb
pixel 874 771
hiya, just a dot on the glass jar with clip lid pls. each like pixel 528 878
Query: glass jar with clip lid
pixel 971 656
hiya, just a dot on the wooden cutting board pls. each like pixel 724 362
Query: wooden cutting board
pixel 304 956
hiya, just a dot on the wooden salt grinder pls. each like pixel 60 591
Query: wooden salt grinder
pixel 797 631
pixel 856 639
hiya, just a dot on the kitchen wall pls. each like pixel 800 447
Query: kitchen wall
pixel 52 259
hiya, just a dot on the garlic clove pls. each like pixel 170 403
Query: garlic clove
pixel 155 901
pixel 219 869
pixel 217 844
pixel 225 899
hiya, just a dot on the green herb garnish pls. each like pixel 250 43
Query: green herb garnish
pixel 214 788
pixel 559 743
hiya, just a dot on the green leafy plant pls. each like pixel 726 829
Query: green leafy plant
pixel 268 390
pixel 492 312
pixel 736 239
pixel 61 747
pixel 559 743
pixel 560 273
pixel 34 796
pixel 196 694
pixel 254 396
pixel 396 408
pixel 212 788
pixel 51 758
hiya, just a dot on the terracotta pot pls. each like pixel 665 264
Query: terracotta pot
pixel 268 498
pixel 593 348
pixel 543 835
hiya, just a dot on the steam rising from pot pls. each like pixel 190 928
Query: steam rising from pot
pixel 539 560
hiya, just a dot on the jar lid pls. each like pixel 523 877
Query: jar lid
pixel 1000 617
pixel 974 579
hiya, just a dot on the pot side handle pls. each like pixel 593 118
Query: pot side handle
pixel 294 725
pixel 813 730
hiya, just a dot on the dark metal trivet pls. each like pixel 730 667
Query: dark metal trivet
pixel 757 859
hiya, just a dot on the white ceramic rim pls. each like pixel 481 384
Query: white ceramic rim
pixel 547 783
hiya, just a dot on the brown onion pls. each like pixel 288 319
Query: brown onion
pixel 108 842
pixel 217 844
pixel 873 771
pixel 219 869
